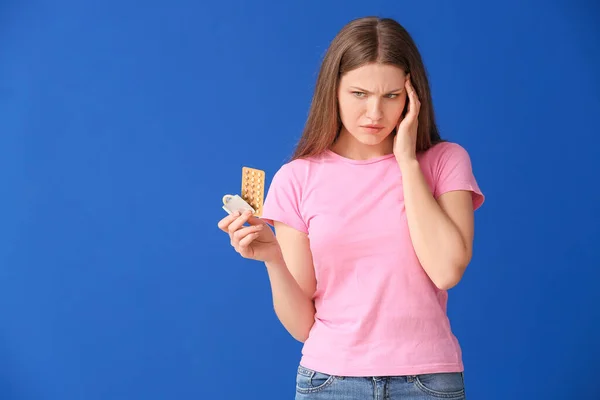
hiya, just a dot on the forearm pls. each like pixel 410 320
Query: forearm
pixel 436 239
pixel 293 307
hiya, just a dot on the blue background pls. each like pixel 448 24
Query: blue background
pixel 123 123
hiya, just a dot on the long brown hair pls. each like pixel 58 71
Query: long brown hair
pixel 363 41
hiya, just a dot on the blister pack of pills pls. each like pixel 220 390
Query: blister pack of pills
pixel 252 193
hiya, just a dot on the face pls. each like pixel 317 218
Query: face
pixel 371 101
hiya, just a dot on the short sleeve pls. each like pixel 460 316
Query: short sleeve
pixel 282 202
pixel 453 171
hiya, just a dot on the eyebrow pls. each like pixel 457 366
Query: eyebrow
pixel 366 91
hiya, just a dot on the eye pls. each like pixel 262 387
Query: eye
pixel 359 94
pixel 392 95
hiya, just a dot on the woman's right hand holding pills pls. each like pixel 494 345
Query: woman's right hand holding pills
pixel 256 242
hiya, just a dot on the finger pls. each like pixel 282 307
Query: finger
pixel 239 222
pixel 224 223
pixel 413 100
pixel 410 89
pixel 246 242
pixel 243 233
pixel 239 235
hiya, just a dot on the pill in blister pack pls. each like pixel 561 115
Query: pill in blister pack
pixel 252 194
pixel 253 188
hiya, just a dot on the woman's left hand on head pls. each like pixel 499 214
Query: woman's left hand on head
pixel 405 142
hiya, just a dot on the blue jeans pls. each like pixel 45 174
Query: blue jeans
pixel 313 385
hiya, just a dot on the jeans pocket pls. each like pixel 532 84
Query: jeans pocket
pixel 310 381
pixel 448 385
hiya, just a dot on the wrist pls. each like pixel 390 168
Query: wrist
pixel 276 261
pixel 407 163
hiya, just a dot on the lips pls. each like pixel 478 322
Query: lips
pixel 372 129
pixel 373 126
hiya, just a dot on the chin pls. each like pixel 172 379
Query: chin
pixel 372 139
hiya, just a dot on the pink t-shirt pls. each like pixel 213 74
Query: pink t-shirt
pixel 377 311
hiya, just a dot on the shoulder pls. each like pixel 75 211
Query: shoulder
pixel 293 169
pixel 294 172
pixel 444 150
pixel 445 156
pixel 294 166
pixel 299 167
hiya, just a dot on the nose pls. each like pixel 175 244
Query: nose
pixel 374 112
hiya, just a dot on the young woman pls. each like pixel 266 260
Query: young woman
pixel 374 223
